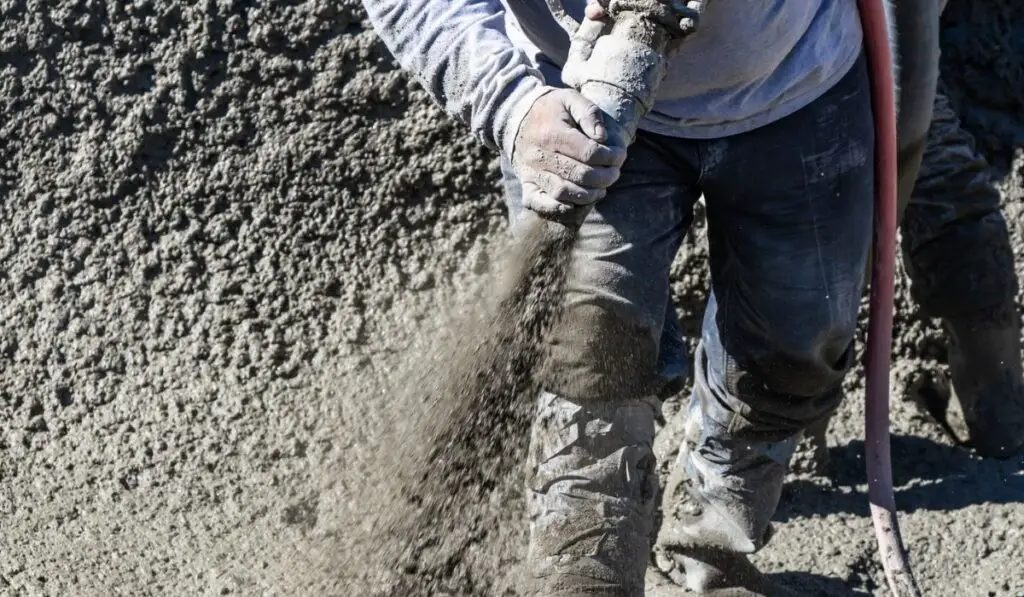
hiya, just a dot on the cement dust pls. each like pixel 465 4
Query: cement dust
pixel 449 471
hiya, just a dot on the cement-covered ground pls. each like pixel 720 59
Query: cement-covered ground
pixel 224 224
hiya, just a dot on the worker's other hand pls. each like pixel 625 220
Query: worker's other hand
pixel 561 156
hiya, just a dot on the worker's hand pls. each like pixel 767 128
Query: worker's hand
pixel 560 155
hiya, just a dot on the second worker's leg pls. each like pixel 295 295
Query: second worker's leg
pixel 957 251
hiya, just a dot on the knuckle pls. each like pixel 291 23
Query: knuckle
pixel 581 175
pixel 547 182
pixel 605 177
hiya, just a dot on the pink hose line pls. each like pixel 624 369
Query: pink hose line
pixel 879 342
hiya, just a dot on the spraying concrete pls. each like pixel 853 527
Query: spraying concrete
pixel 617 62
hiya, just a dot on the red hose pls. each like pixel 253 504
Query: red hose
pixel 879 342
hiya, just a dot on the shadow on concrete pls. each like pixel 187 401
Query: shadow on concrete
pixel 927 476
pixel 814 585
pixel 805 584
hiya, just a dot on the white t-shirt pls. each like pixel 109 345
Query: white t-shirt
pixel 750 62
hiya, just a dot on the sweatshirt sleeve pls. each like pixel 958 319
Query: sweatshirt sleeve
pixel 459 51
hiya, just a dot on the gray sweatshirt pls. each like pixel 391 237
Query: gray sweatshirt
pixel 750 63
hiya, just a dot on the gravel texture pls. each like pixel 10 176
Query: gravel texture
pixel 226 225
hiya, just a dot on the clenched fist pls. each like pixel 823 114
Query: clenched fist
pixel 560 156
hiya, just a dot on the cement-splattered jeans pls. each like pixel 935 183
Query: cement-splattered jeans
pixel 955 242
pixel 789 211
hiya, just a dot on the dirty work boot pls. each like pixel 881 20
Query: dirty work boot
pixel 709 518
pixel 985 364
pixel 590 497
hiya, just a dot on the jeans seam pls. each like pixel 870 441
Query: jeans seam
pixel 735 417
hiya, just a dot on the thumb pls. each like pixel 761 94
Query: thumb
pixel 587 115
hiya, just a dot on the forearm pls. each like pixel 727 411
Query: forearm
pixel 459 52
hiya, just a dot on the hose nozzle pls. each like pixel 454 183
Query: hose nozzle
pixel 618 61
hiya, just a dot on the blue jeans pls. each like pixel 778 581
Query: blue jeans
pixel 789 212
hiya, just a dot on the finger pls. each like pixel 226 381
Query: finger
pixel 587 115
pixel 573 144
pixel 572 171
pixel 589 31
pixel 541 203
pixel 594 10
pixel 564 191
pixel 689 15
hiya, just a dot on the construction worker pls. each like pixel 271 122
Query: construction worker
pixel 780 144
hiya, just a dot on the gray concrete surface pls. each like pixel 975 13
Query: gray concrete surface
pixel 222 228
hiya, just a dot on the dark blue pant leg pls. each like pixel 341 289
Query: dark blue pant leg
pixel 956 245
pixel 790 209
